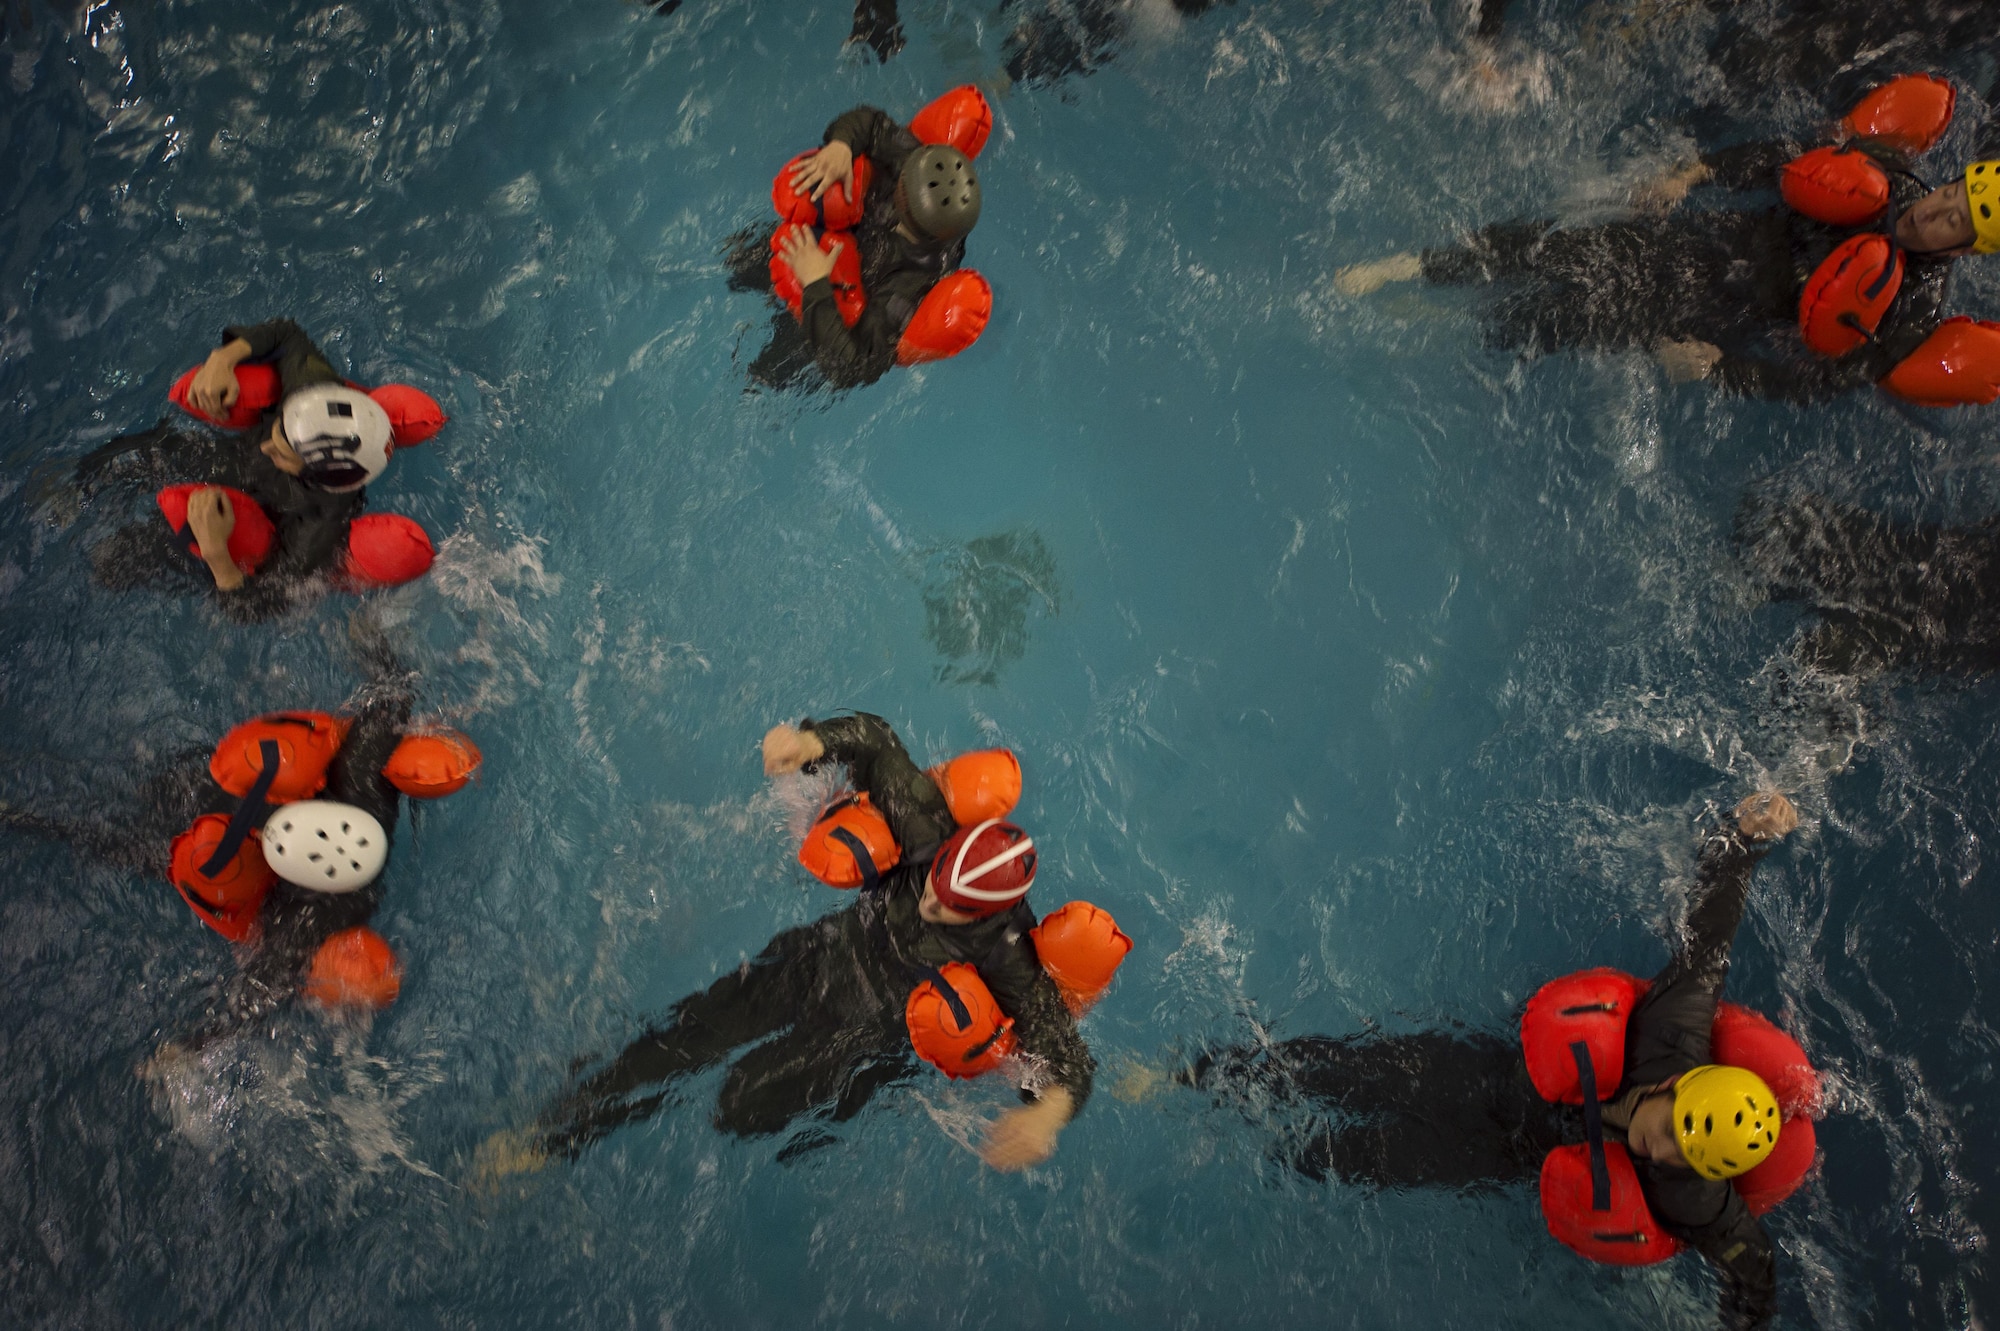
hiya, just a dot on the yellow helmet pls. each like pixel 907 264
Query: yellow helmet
pixel 1726 1119
pixel 1982 194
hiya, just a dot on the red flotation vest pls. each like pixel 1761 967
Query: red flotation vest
pixel 979 786
pixel 848 296
pixel 1849 292
pixel 955 1025
pixel 1573 1040
pixel 1958 365
pixel 414 415
pixel 1909 114
pixel 307 745
pixel 950 318
pixel 961 118
pixel 1841 186
pixel 229 900
pixel 356 968
pixel 837 209
pixel 431 764
pixel 1081 947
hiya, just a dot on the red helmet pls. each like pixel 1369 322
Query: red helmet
pixel 983 869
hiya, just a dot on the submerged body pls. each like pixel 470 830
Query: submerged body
pixel 1456 1110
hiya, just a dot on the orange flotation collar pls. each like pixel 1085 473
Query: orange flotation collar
pixel 956 1025
pixel 1573 1041
pixel 980 785
pixel 356 968
pixel 1081 947
pixel 1909 114
pixel 307 744
pixel 851 845
pixel 1841 186
pixel 1849 293
pixel 431 764
pixel 229 897
pixel 1958 365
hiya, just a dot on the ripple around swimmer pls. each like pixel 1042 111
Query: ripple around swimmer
pixel 1368 675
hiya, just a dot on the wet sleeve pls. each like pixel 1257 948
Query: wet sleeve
pixel 1801 381
pixel 1750 166
pixel 1735 1244
pixel 882 769
pixel 282 342
pixel 1492 18
pixel 1042 1021
pixel 871 133
pixel 1670 1027
pixel 356 775
pixel 864 353
pixel 296 922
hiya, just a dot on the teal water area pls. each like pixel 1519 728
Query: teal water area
pixel 1369 676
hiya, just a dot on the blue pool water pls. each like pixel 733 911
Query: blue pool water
pixel 1368 676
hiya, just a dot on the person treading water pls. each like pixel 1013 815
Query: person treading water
pixel 1448 1109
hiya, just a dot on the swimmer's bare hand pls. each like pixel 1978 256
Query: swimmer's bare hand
pixel 1365 279
pixel 211 518
pixel 1689 361
pixel 504 1155
pixel 1662 193
pixel 801 251
pixel 1027 1136
pixel 830 165
pixel 1766 816
pixel 214 390
pixel 787 749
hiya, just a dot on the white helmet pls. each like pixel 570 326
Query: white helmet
pixel 325 846
pixel 342 433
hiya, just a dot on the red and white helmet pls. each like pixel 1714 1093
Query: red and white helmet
pixel 983 869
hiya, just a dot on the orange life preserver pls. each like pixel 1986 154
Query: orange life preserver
pixel 251 539
pixel 1573 1041
pixel 950 318
pixel 851 845
pixel 354 968
pixel 384 550
pixel 1910 113
pixel 1081 948
pixel 230 900
pixel 961 118
pixel 307 743
pixel 1849 292
pixel 955 1024
pixel 848 297
pixel 1958 365
pixel 414 415
pixel 1840 186
pixel 836 210
pixel 980 785
pixel 431 764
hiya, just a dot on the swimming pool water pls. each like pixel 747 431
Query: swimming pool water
pixel 1368 676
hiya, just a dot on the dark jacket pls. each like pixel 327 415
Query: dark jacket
pixel 905 946
pixel 896 273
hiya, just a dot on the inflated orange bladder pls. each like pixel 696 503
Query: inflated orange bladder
pixel 983 784
pixel 955 1023
pixel 356 968
pixel 1910 113
pixel 431 764
pixel 1847 295
pixel 961 118
pixel 307 743
pixel 257 391
pixel 839 209
pixel 851 834
pixel 1957 366
pixel 1839 186
pixel 848 297
pixel 252 536
pixel 951 317
pixel 230 899
pixel 1081 947
pixel 384 550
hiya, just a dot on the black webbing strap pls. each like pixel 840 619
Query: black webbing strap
pixel 250 813
pixel 870 880
pixel 1593 1127
pixel 950 995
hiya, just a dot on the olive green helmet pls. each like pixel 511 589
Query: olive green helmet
pixel 941 191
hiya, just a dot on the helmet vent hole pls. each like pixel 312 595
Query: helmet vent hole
pixel 322 834
pixel 1708 1123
